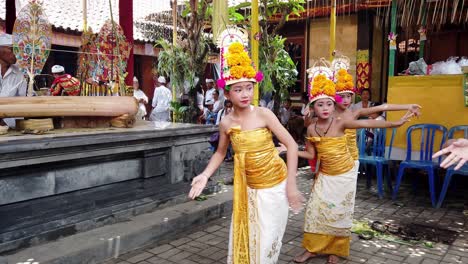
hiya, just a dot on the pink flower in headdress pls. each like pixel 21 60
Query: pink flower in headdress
pixel 221 83
pixel 338 99
pixel 259 76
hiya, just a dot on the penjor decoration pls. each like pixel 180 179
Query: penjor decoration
pixel 32 40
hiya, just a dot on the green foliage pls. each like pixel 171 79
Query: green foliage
pixel 277 66
pixel 172 62
pixel 178 110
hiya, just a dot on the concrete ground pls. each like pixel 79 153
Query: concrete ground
pixel 208 243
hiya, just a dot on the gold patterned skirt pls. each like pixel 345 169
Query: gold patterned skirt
pixel 329 213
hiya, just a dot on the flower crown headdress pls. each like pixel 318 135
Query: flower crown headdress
pixel 236 65
pixel 321 87
pixel 344 82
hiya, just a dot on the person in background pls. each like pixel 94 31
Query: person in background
pixel 365 100
pixel 161 101
pixel 12 81
pixel 225 111
pixel 377 115
pixel 141 97
pixel 285 112
pixel 210 88
pixel 217 103
pixel 64 84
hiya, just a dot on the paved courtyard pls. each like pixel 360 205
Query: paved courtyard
pixel 208 244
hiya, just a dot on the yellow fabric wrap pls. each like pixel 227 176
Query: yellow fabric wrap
pixel 326 244
pixel 352 143
pixel 333 154
pixel 258 166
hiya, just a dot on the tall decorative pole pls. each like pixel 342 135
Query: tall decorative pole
pixel 331 52
pixel 392 39
pixel 174 43
pixel 422 30
pixel 85 15
pixel 254 39
pixel 221 19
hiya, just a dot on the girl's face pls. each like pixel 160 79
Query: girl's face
pixel 324 108
pixel 216 95
pixel 346 99
pixel 241 94
pixel 136 85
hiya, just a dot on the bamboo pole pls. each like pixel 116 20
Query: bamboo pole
pixel 174 43
pixel 50 106
pixel 254 44
pixel 85 16
pixel 422 43
pixel 221 19
pixel 331 51
pixel 391 60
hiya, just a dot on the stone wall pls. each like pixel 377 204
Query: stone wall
pixel 60 184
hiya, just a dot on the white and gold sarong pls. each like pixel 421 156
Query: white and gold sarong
pixel 329 211
pixel 260 204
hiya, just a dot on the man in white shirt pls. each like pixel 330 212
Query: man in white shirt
pixel 141 97
pixel 161 101
pixel 12 81
pixel 209 91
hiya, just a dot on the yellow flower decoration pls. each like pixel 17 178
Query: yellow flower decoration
pixel 344 81
pixel 340 86
pixel 249 72
pixel 342 72
pixel 237 72
pixel 322 85
pixel 236 47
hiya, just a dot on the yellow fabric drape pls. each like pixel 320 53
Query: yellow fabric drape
pixel 326 244
pixel 256 165
pixel 352 143
pixel 331 152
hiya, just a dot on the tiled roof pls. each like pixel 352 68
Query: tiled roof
pixel 68 14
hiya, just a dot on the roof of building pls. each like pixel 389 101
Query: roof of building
pixel 67 15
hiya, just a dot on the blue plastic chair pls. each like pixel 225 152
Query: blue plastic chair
pixel 376 155
pixel 425 162
pixel 451 171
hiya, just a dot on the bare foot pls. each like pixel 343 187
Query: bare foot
pixel 304 257
pixel 332 259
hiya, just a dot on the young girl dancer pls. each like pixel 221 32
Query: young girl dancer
pixel 329 211
pixel 345 89
pixel 263 185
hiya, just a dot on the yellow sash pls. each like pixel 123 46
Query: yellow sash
pixel 352 143
pixel 334 155
pixel 258 166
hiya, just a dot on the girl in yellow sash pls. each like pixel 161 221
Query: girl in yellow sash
pixel 263 185
pixel 345 89
pixel 330 208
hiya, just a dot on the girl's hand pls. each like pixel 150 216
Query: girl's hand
pixel 198 184
pixel 406 118
pixel 415 109
pixel 295 199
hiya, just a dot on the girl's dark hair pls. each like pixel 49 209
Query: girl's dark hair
pixel 226 102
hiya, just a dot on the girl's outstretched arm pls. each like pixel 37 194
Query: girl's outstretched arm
pixel 200 181
pixel 413 108
pixel 294 196
pixel 354 124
